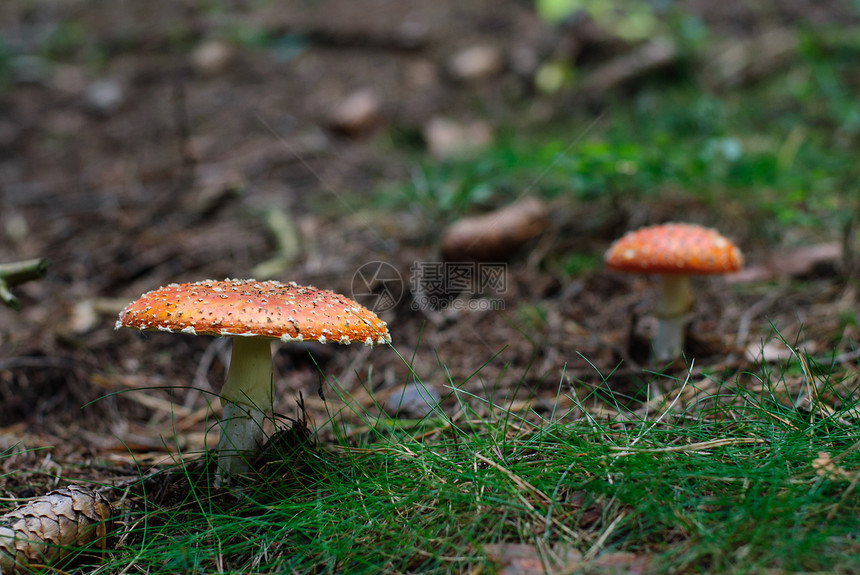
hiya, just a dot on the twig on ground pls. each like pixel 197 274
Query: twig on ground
pixel 17 273
pixel 700 446
pixel 598 545
pixel 518 481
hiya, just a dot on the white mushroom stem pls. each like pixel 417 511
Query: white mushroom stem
pixel 247 397
pixel 676 298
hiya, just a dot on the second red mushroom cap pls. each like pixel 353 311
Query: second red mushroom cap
pixel 674 248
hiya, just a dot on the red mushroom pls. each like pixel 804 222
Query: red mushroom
pixel 675 252
pixel 253 313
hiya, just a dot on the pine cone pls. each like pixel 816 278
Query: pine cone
pixel 51 527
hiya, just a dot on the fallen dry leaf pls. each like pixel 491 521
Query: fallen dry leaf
pixel 740 61
pixel 795 263
pixel 497 235
pixel 447 139
pixel 770 352
pixel 476 63
pixel 525 559
pixel 652 56
pixel 621 563
pixel 357 113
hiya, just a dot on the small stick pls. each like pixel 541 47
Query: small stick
pixel 812 387
pixel 17 273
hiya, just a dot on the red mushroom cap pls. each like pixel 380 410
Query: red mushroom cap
pixel 288 312
pixel 679 249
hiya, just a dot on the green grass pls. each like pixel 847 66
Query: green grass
pixel 781 150
pixel 721 481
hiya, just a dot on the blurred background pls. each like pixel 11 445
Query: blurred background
pixel 143 143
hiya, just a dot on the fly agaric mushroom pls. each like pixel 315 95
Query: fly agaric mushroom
pixel 253 313
pixel 675 252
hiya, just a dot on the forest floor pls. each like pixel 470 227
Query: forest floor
pixel 131 158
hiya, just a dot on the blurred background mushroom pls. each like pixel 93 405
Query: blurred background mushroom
pixel 674 251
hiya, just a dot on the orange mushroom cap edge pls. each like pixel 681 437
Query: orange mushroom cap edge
pixel 285 311
pixel 675 249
